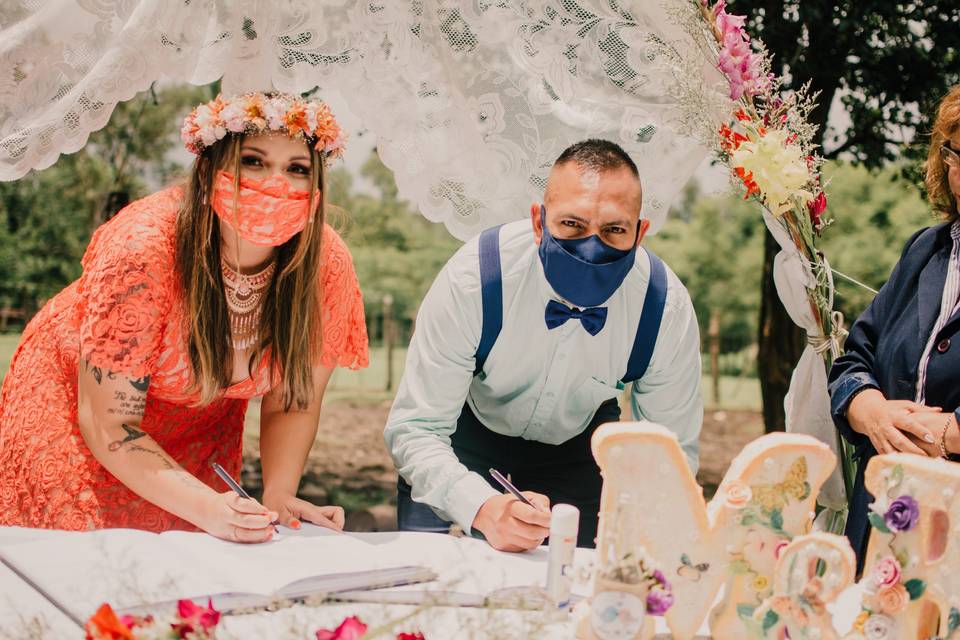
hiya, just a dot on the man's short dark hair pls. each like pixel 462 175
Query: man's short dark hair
pixel 597 155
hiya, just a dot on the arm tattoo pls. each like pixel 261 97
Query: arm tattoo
pixel 132 434
pixel 166 461
pixel 133 404
pixel 98 372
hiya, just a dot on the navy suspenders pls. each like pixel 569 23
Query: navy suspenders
pixel 491 291
pixel 491 288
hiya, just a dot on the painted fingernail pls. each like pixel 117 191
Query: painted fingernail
pixel 928 439
pixel 294 524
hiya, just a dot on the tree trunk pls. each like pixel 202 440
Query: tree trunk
pixel 780 344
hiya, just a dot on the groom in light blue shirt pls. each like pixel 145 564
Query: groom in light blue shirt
pixel 522 346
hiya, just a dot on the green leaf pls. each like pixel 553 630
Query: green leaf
pixel 739 567
pixel 896 476
pixel 915 587
pixel 953 621
pixel 776 519
pixel 902 557
pixel 769 620
pixel 745 611
pixel 877 521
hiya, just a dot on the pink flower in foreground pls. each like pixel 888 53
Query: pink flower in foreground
pixel 195 617
pixel 350 629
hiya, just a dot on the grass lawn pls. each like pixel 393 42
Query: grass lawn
pixel 369 386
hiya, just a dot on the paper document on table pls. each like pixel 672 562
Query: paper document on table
pixel 130 568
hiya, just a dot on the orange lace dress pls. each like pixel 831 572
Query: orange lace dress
pixel 124 315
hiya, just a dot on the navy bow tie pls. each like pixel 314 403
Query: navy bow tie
pixel 592 318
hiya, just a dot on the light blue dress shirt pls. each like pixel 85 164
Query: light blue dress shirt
pixel 538 384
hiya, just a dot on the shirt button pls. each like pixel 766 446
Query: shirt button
pixel 549 394
pixel 944 345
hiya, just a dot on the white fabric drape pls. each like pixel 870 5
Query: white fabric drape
pixel 807 405
pixel 470 100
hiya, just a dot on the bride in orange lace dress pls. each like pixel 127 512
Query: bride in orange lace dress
pixel 133 380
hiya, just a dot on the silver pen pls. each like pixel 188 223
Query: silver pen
pixel 506 484
pixel 235 486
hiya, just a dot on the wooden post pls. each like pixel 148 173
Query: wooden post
pixel 388 336
pixel 714 332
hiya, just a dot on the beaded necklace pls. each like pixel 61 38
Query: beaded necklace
pixel 244 295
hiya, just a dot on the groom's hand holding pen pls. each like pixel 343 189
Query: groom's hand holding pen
pixel 515 521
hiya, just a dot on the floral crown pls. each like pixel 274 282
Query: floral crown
pixel 256 112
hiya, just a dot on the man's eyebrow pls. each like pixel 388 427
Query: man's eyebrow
pixel 574 217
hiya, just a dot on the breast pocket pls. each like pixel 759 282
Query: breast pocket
pixel 594 392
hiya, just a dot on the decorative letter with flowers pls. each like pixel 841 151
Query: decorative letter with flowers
pixel 651 505
pixel 911 580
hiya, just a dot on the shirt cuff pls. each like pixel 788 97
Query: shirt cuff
pixel 465 497
pixel 845 390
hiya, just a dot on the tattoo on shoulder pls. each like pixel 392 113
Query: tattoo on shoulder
pixel 98 372
pixel 141 384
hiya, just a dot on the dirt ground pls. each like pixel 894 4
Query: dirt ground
pixel 349 464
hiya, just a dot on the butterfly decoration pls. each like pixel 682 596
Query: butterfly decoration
pixel 794 485
pixel 692 571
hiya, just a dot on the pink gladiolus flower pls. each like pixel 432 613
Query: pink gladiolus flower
pixel 740 64
pixel 350 629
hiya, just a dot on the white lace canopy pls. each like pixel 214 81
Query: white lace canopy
pixel 471 101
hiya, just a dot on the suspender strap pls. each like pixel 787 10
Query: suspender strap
pixel 649 327
pixel 491 289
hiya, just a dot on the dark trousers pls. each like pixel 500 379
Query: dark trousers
pixel 564 472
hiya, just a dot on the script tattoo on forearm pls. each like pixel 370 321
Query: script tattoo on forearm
pixel 158 454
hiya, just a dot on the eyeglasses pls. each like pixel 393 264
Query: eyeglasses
pixel 950 157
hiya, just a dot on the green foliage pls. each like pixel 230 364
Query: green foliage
pixel 714 244
pixel 46 217
pixel 874 215
pixel 716 249
pixel 888 61
pixel 396 251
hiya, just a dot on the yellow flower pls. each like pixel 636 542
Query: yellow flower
pixel 861 620
pixel 760 583
pixel 776 165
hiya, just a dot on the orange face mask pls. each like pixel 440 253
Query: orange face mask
pixel 269 211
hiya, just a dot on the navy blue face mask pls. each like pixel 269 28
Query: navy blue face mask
pixel 584 271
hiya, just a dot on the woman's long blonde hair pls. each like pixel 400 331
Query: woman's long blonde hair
pixel 290 325
pixel 944 127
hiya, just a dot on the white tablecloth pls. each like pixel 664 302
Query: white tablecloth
pixel 25 613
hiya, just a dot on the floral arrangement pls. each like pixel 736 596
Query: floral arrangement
pixel 196 622
pixel 191 622
pixel 767 142
pixel 637 569
pixel 888 589
pixel 258 112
